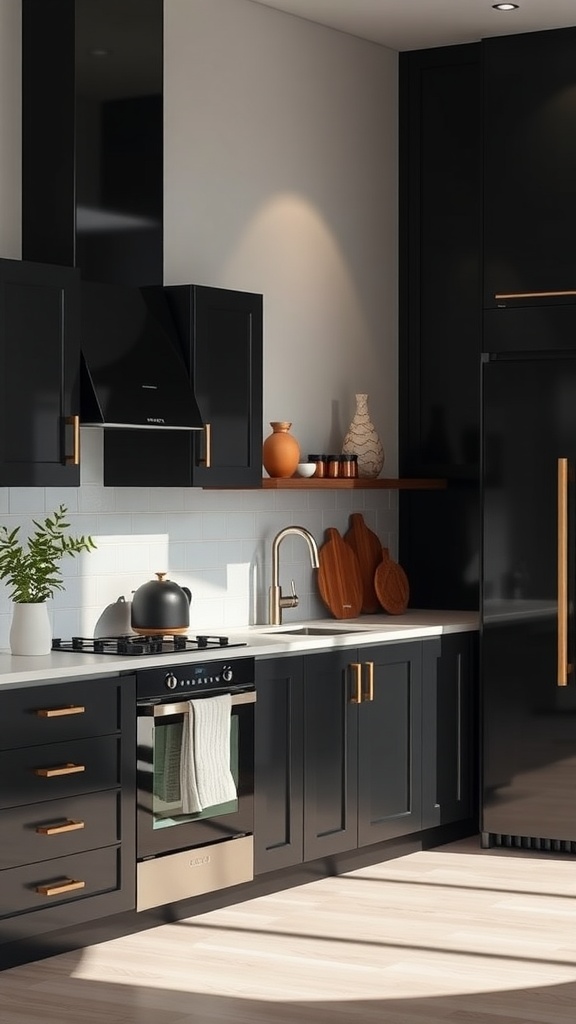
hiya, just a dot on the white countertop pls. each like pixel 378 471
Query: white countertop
pixel 260 641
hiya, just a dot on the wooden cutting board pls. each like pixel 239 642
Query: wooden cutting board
pixel 368 551
pixel 391 585
pixel 339 580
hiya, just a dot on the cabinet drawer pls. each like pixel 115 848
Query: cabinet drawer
pixel 59 828
pixel 63 880
pixel 49 714
pixel 59 770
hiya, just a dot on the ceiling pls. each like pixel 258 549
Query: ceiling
pixel 417 24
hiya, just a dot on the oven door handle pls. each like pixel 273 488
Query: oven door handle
pixel 164 710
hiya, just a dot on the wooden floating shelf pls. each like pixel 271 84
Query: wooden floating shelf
pixel 383 483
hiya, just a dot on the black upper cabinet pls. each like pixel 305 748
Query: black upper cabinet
pixel 530 167
pixel 440 260
pixel 440 319
pixel 39 371
pixel 219 333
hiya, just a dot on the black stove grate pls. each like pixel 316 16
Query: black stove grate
pixel 136 645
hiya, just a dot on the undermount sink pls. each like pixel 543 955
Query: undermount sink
pixel 317 631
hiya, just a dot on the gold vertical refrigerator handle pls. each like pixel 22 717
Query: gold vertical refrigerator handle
pixel 369 692
pixel 207 460
pixel 68 885
pixel 356 669
pixel 74 459
pixel 564 667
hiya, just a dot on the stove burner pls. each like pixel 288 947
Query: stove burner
pixel 136 645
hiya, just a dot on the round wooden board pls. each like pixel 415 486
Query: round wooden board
pixel 391 585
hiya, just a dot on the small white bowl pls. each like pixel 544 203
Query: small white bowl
pixel 306 468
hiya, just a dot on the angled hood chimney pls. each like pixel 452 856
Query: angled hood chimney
pixel 92 198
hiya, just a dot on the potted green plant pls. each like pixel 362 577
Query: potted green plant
pixel 33 572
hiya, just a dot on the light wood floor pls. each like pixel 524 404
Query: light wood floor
pixel 458 934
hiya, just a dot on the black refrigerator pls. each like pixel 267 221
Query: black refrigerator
pixel 528 682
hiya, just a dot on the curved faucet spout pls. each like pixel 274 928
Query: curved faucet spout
pixel 276 600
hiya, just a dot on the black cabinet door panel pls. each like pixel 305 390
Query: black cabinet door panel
pixel 39 368
pixel 65 711
pixel 389 745
pixel 330 756
pixel 59 770
pixel 59 828
pixel 278 768
pixel 530 165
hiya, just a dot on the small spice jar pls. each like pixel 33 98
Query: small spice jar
pixel 332 466
pixel 320 461
pixel 349 465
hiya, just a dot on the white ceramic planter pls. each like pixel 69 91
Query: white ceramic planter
pixel 30 631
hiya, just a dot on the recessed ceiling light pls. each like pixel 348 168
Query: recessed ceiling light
pixel 505 7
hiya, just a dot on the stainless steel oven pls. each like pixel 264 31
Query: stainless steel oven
pixel 183 853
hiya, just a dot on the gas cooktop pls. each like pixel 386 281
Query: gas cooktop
pixel 135 645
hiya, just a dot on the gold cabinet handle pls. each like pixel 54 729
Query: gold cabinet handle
pixel 68 885
pixel 74 458
pixel 207 460
pixel 68 709
pixel 369 692
pixel 61 769
pixel 564 667
pixel 56 830
pixel 356 669
pixel 533 295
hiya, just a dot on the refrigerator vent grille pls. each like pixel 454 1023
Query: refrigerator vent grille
pixel 533 843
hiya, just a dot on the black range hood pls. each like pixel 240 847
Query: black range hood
pixel 132 373
pixel 92 198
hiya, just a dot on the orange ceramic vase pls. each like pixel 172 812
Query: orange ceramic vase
pixel 280 451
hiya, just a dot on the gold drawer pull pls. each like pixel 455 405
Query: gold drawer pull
pixel 356 670
pixel 68 885
pixel 68 709
pixel 61 769
pixel 369 695
pixel 74 458
pixel 56 830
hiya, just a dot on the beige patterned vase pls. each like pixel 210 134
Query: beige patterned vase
pixel 362 439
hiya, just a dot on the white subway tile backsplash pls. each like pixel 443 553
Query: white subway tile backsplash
pixel 27 499
pixel 216 542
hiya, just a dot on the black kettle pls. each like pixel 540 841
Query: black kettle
pixel 160 606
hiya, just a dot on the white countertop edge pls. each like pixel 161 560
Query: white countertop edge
pixel 259 640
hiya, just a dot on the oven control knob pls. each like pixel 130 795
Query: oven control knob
pixel 171 681
pixel 227 674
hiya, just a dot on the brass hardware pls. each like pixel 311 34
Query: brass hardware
pixel 356 669
pixel 68 709
pixel 56 830
pixel 532 295
pixel 369 693
pixel 56 890
pixel 207 460
pixel 564 668
pixel 74 459
pixel 165 710
pixel 62 769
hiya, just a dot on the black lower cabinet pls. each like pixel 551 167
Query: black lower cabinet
pixel 361 746
pixel 67 808
pixel 449 740
pixel 278 764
